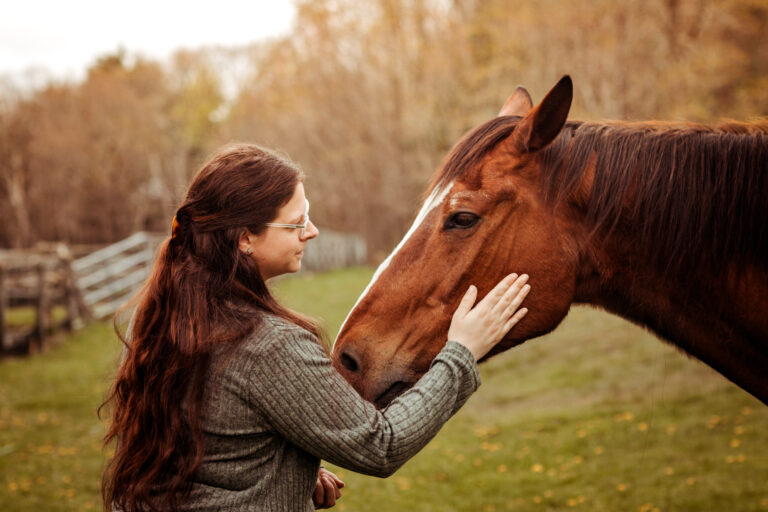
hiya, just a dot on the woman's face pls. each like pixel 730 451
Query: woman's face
pixel 278 250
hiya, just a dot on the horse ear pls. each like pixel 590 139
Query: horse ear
pixel 518 104
pixel 541 125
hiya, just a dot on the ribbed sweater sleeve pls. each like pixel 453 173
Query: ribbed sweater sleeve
pixel 302 396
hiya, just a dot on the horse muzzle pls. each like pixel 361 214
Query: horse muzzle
pixel 378 380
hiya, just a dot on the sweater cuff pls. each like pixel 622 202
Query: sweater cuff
pixel 460 356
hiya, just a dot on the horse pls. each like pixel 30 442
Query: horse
pixel 664 224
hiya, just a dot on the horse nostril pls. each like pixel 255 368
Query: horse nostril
pixel 349 362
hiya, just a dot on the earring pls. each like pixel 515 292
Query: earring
pixel 249 251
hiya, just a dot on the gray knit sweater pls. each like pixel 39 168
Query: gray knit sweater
pixel 276 407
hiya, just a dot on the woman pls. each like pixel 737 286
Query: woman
pixel 226 400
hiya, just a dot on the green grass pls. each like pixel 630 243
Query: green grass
pixel 50 437
pixel 27 316
pixel 597 416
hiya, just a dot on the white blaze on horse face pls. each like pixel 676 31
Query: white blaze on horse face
pixel 435 199
pixel 456 198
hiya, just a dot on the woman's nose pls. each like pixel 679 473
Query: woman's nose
pixel 311 231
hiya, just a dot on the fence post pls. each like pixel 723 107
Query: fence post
pixel 42 306
pixel 2 308
pixel 70 289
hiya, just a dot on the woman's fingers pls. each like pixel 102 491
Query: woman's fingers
pixel 326 489
pixel 480 326
pixel 332 492
pixel 329 493
pixel 518 298
pixel 335 481
pixel 510 295
pixel 498 291
pixel 319 495
pixel 332 487
pixel 515 318
pixel 339 482
pixel 511 313
pixel 466 302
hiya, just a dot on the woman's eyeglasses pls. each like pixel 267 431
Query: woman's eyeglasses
pixel 303 227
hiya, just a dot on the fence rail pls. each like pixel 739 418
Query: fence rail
pixel 106 278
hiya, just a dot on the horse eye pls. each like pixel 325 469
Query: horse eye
pixel 461 220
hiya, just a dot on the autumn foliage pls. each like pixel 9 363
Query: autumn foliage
pixel 366 95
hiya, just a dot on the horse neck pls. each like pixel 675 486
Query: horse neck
pixel 720 318
pixel 724 326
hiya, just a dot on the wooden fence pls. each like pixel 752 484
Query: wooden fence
pixel 334 250
pixel 37 298
pixel 42 291
pixel 108 277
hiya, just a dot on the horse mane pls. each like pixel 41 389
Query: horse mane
pixel 686 190
pixel 470 150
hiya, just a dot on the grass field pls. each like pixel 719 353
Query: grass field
pixel 597 416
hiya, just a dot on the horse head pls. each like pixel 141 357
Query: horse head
pixel 484 217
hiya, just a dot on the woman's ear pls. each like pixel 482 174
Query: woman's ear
pixel 245 245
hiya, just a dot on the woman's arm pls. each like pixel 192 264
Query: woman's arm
pixel 312 406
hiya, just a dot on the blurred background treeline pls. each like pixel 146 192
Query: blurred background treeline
pixel 367 95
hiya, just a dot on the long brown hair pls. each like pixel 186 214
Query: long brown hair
pixel 203 293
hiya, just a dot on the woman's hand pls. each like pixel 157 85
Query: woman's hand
pixel 481 327
pixel 326 489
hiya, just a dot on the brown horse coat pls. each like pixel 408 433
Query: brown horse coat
pixel 663 224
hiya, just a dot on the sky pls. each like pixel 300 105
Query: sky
pixel 62 38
